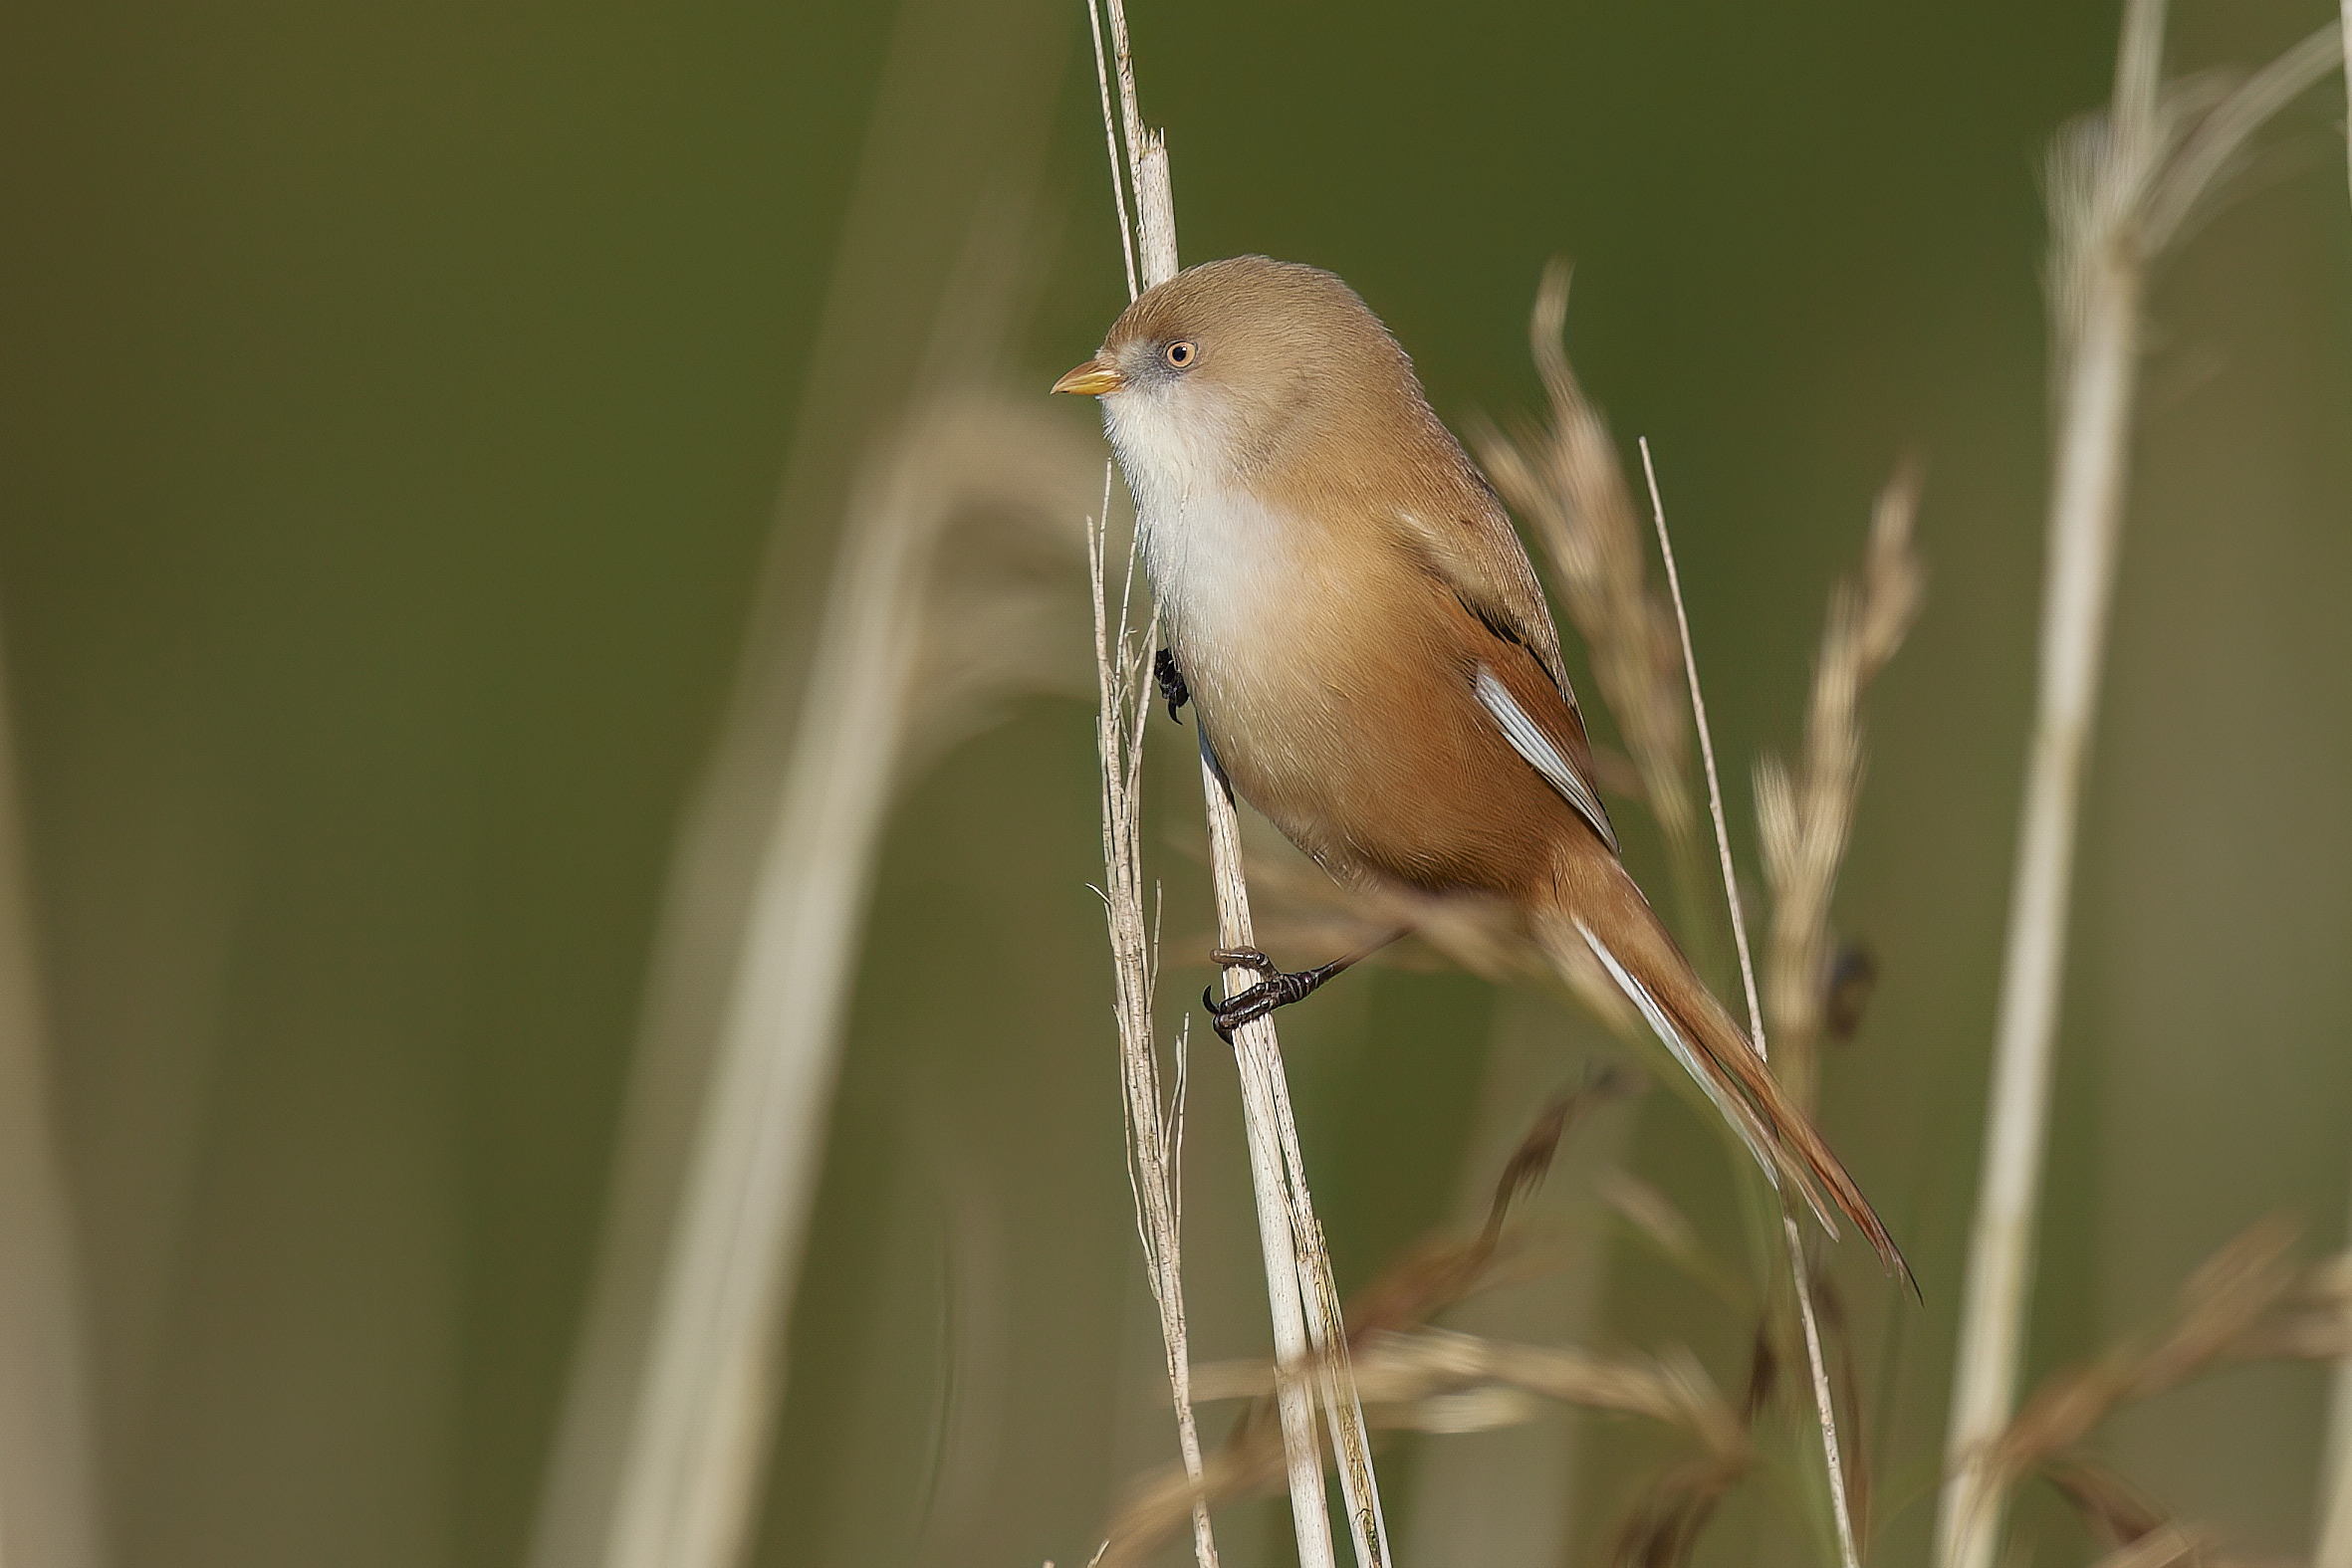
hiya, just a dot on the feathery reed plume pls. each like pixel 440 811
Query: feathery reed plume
pixel 1416 1378
pixel 2122 188
pixel 1567 481
pixel 907 658
pixel 48 1500
pixel 1302 1298
pixel 1799 1271
pixel 1807 816
pixel 2159 1548
pixel 1155 1126
pixel 1432 1379
pixel 2246 1302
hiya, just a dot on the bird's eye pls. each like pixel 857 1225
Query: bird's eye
pixel 1180 356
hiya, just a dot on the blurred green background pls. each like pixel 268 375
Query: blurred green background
pixel 398 402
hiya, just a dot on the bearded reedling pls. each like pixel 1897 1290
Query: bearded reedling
pixel 1372 660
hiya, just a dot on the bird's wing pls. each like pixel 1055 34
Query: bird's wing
pixel 1467 540
pixel 1472 548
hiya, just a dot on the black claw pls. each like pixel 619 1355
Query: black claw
pixel 1171 679
pixel 1216 1018
pixel 1278 990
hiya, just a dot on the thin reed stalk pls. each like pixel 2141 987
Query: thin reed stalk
pixel 2121 188
pixel 1308 1326
pixel 1155 1127
pixel 1824 1405
pixel 1566 481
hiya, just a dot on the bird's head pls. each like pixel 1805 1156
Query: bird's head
pixel 1233 366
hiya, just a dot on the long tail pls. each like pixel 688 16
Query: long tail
pixel 1641 960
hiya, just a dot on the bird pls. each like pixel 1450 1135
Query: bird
pixel 1371 661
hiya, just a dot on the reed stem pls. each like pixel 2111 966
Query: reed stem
pixel 1309 1327
pixel 1824 1407
pixel 2097 267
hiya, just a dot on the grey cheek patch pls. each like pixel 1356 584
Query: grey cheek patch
pixel 1534 744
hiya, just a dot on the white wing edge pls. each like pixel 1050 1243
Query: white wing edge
pixel 1534 744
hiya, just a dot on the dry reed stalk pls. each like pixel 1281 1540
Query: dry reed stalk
pixel 1308 1325
pixel 1800 1272
pixel 1155 1128
pixel 2122 188
pixel 1427 1379
pixel 48 1496
pixel 1403 1373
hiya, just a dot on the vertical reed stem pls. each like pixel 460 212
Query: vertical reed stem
pixel 2085 513
pixel 1824 1407
pixel 1300 1296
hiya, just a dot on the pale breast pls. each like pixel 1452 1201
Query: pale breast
pixel 1279 634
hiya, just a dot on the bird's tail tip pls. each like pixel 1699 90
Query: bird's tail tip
pixel 1741 1087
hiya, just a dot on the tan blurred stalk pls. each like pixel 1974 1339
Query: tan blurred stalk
pixel 48 1505
pixel 2334 1549
pixel 712 1384
pixel 1799 1274
pixel 679 1375
pixel 1301 1294
pixel 2121 188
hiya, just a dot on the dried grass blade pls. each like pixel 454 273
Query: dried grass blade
pixel 1155 1128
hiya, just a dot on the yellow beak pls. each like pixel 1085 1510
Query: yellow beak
pixel 1092 379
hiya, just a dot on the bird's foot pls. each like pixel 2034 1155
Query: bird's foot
pixel 1277 990
pixel 1172 687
